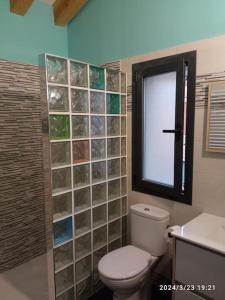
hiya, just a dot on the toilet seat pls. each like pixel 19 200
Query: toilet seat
pixel 125 263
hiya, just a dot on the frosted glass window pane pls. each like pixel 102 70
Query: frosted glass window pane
pixel 159 114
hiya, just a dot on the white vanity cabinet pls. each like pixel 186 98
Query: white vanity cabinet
pixel 197 266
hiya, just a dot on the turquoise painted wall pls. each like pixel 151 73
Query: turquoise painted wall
pixel 106 30
pixel 24 38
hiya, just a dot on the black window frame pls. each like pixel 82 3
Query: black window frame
pixel 141 70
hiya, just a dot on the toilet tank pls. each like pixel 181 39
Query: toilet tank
pixel 148 228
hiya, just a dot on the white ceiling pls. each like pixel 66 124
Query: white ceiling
pixel 50 2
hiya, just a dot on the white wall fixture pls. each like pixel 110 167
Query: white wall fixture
pixel 87 127
pixel 215 139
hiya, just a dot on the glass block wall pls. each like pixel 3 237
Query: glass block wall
pixel 87 127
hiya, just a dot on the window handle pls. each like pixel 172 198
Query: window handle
pixel 176 131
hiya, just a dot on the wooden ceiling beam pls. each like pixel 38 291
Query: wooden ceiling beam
pixel 20 7
pixel 65 10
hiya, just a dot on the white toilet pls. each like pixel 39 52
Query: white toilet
pixel 127 270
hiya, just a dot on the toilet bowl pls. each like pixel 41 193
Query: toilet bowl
pixel 127 270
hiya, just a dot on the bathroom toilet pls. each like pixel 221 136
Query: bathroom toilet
pixel 127 270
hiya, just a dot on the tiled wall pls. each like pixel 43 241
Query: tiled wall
pixel 24 167
pixel 87 118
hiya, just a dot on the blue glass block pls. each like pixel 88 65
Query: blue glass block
pixel 62 231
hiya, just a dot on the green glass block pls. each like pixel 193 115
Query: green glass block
pixel 97 78
pixel 59 127
pixel 113 104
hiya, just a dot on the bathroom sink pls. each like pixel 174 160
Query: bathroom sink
pixel 205 230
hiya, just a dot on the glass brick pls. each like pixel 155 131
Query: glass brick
pixel 114 209
pixel 78 74
pixel 123 105
pixel 81 175
pixel 97 102
pixel 123 146
pixel 112 78
pixel 113 126
pixel 97 255
pixel 61 180
pixel 124 205
pixel 63 255
pixel 97 283
pixel 84 289
pixel 82 222
pixel 124 185
pixel 82 199
pixel 98 193
pixel 79 101
pixel 62 231
pixel 113 189
pixel 123 83
pixel 97 78
pixel 99 237
pixel 113 104
pixel 124 225
pixel 113 147
pixel 98 171
pixel 80 126
pixel 114 245
pixel 98 149
pixel 58 99
pixel 64 279
pixel 114 230
pixel 99 215
pixel 123 166
pixel 59 127
pixel 57 70
pixel 83 268
pixel 80 151
pixel 83 245
pixel 113 168
pixel 124 240
pixel 60 154
pixel 97 126
pixel 69 295
pixel 62 205
pixel 123 126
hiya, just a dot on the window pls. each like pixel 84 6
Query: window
pixel 163 126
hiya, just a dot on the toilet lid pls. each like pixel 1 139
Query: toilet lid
pixel 124 263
